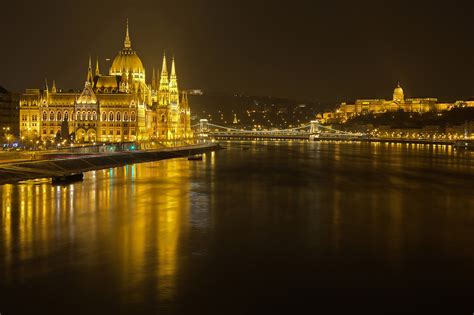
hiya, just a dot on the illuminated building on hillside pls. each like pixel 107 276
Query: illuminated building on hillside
pixel 374 106
pixel 114 107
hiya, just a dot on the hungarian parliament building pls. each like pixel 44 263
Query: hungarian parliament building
pixel 117 107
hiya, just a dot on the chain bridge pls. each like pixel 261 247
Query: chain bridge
pixel 204 130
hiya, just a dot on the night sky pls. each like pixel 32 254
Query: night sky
pixel 306 50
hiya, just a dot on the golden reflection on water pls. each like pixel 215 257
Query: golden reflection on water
pixel 133 216
pixel 149 225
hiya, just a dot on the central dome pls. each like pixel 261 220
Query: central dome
pixel 127 61
pixel 398 95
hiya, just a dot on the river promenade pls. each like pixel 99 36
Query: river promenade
pixel 15 171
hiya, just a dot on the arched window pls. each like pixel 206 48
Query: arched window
pixel 83 116
pixel 51 116
pixel 94 115
pixel 111 116
pixel 163 118
pixel 78 116
pixel 118 116
pixel 45 115
pixel 66 116
pixel 89 116
pixel 132 116
pixel 104 116
pixel 59 116
pixel 125 116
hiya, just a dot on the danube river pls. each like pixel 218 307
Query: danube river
pixel 278 227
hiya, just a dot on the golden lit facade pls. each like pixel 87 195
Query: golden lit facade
pixel 119 106
pixel 397 103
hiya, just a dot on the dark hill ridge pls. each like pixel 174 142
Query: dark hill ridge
pixel 454 117
pixel 267 112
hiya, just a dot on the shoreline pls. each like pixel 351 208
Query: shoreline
pixel 49 168
pixel 335 139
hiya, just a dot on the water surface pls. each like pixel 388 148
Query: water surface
pixel 282 227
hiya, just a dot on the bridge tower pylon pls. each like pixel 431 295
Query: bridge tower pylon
pixel 203 130
pixel 314 129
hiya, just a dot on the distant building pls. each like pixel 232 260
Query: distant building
pixel 196 92
pixel 9 119
pixel 114 107
pixel 397 103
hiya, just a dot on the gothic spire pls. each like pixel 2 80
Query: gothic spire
pixel 164 69
pixel 97 71
pixel 127 42
pixel 153 80
pixel 90 78
pixel 173 69
pixel 164 88
pixel 53 88
pixel 174 92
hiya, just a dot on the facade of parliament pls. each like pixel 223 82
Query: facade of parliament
pixel 117 107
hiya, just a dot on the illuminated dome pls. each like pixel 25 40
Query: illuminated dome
pixel 398 95
pixel 127 61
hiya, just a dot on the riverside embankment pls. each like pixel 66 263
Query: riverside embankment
pixel 48 168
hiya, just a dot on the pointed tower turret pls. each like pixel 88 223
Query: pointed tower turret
pixel 97 71
pixel 53 88
pixel 46 85
pixel 164 85
pixel 174 93
pixel 173 68
pixel 90 78
pixel 127 43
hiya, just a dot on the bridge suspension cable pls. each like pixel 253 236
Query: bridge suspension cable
pixel 259 131
pixel 314 128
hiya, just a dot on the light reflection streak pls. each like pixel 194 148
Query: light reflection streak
pixel 109 216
